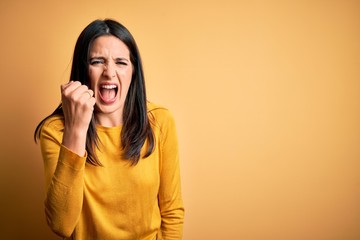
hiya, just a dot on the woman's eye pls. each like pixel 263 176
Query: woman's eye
pixel 121 63
pixel 95 62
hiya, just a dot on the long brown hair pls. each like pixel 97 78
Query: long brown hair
pixel 136 125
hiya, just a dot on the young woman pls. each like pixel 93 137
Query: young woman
pixel 110 157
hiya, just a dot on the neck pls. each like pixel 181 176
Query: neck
pixel 108 119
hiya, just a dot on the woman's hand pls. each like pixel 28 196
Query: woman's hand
pixel 78 106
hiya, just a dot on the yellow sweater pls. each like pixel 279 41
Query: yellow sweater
pixel 117 200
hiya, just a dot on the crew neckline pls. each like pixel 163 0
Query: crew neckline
pixel 108 129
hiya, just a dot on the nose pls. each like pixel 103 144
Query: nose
pixel 109 71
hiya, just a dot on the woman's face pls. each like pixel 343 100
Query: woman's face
pixel 110 72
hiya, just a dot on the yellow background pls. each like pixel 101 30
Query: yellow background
pixel 266 96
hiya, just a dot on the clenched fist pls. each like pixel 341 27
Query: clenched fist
pixel 78 106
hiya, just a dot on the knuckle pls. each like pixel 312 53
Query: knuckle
pixel 82 101
pixel 72 97
pixel 65 92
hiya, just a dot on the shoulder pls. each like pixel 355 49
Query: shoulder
pixel 159 115
pixel 55 122
pixel 52 128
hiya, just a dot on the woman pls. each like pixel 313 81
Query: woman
pixel 110 157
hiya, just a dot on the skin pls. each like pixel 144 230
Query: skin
pixel 110 65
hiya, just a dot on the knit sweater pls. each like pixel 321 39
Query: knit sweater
pixel 116 200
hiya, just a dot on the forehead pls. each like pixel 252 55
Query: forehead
pixel 109 45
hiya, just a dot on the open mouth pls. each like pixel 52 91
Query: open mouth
pixel 108 92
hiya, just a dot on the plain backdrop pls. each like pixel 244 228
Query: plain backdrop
pixel 266 97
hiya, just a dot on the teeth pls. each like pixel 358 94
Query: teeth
pixel 112 86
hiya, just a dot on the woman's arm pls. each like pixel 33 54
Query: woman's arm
pixel 64 180
pixel 170 199
pixel 64 156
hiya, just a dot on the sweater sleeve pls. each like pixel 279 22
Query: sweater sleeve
pixel 170 199
pixel 64 180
